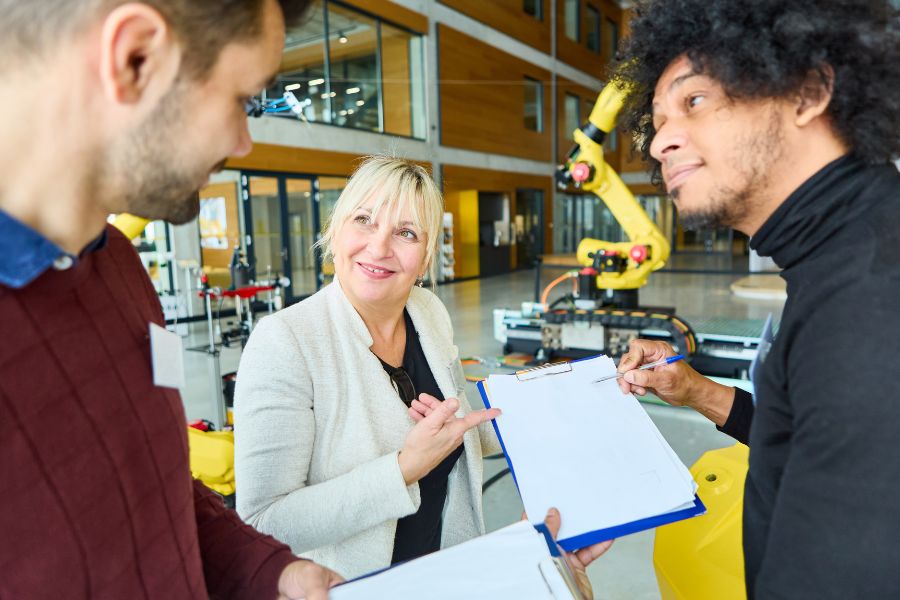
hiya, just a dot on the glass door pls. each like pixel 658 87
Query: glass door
pixel 579 216
pixel 330 189
pixel 281 221
pixel 301 235
pixel 529 227
pixel 264 226
pixel 564 224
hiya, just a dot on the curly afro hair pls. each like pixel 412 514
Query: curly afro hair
pixel 769 49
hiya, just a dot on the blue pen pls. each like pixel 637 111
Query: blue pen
pixel 658 363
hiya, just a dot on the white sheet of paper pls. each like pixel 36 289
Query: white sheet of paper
pixel 587 449
pixel 167 355
pixel 509 564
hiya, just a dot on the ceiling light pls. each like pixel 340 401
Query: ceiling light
pixel 350 111
pixel 323 96
pixel 353 90
pixel 343 113
pixel 343 38
pixel 360 102
pixel 292 87
pixel 317 82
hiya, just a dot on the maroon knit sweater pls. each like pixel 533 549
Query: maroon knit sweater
pixel 96 498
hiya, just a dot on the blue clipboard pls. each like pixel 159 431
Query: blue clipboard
pixel 600 535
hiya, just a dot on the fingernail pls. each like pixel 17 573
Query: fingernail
pixel 552 512
pixel 629 377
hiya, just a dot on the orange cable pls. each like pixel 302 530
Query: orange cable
pixel 553 284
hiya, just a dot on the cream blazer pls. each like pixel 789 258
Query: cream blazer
pixel 319 425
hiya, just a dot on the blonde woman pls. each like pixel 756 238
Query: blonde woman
pixel 331 456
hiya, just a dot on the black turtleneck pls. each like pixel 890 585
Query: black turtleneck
pixel 823 489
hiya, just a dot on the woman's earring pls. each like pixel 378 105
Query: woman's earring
pixel 420 280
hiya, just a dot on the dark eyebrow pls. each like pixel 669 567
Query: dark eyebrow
pixel 680 80
pixel 675 83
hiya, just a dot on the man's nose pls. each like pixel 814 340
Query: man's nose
pixel 669 138
pixel 245 142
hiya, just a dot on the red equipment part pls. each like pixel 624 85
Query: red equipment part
pixel 638 253
pixel 581 172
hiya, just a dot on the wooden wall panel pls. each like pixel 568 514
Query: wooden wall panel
pixel 301 161
pixel 482 99
pixel 460 181
pixel 393 12
pixel 271 157
pixel 395 68
pixel 211 257
pixel 577 54
pixel 464 206
pixel 509 17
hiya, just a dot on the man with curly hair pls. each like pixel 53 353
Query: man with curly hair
pixel 780 118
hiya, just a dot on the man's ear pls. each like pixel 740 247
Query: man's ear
pixel 815 95
pixel 138 54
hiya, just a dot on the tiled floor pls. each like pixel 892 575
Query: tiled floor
pixel 626 571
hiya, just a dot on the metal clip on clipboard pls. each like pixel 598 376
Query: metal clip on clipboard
pixel 543 371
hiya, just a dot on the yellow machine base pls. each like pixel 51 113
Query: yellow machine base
pixel 702 558
pixel 212 459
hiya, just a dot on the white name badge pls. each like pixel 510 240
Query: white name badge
pixel 167 353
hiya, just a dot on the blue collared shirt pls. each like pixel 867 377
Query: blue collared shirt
pixel 25 254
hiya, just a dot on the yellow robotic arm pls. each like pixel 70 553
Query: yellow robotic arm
pixel 620 265
pixel 130 225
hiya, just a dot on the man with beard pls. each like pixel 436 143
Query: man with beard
pixel 779 118
pixel 115 107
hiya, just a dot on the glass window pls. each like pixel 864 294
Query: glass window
pixel 535 8
pixel 588 107
pixel 593 29
pixel 613 37
pixel 302 70
pixel 403 82
pixel 154 247
pixel 572 115
pixel 572 19
pixel 612 140
pixel 348 69
pixel 353 61
pixel 534 105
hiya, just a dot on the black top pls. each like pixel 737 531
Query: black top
pixel 420 533
pixel 821 497
pixel 741 416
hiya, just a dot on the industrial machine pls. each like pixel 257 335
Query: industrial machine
pixel 699 558
pixel 702 558
pixel 614 271
pixel 602 314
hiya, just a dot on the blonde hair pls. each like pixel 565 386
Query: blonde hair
pixel 393 184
